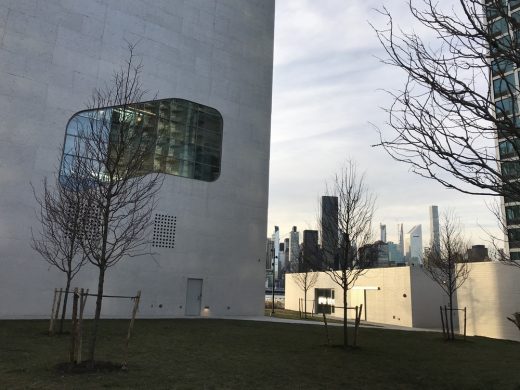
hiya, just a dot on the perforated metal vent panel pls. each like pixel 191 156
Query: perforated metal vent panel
pixel 164 231
pixel 85 220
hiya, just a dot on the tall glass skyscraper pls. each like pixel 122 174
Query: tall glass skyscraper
pixel 435 242
pixel 413 243
pixel 504 43
pixel 329 227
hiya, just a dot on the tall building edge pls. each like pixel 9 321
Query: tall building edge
pixel 217 54
pixel 503 79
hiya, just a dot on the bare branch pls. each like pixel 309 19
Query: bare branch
pixel 445 120
pixel 343 234
pixel 112 161
pixel 447 264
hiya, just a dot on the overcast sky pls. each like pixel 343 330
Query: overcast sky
pixel 326 92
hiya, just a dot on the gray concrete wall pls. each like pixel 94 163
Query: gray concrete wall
pixel 218 53
pixel 427 297
pixel 491 294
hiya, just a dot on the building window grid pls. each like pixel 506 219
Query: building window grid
pixel 513 235
pixel 498 74
pixel 504 71
pixel 504 98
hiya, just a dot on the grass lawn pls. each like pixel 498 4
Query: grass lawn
pixel 220 354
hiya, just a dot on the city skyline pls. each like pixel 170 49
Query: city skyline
pixel 326 102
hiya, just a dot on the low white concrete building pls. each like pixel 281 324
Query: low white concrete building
pixel 402 296
pixel 406 296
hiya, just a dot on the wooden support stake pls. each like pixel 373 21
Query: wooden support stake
pixel 448 332
pixel 51 324
pixel 326 327
pixel 57 313
pixel 442 321
pixel 72 352
pixel 130 328
pixel 464 324
pixel 79 341
pixel 356 323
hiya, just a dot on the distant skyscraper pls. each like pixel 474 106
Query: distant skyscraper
pixel 374 255
pixel 329 226
pixel 281 260
pixel 435 243
pixel 286 254
pixel 395 256
pixel 414 249
pixel 294 248
pixel 276 240
pixel 310 250
pixel 400 240
pixel 269 253
pixel 383 232
pixel 477 253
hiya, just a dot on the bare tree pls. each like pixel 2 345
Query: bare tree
pixel 446 264
pixel 113 156
pixel 305 278
pixel 352 230
pixel 444 121
pixel 456 119
pixel 58 240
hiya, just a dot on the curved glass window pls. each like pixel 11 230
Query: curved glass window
pixel 184 138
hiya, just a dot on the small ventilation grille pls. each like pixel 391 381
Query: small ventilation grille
pixel 164 231
pixel 84 221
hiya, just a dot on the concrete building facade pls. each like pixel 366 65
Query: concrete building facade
pixel 491 294
pixel 216 53
pixel 406 296
pixel 403 296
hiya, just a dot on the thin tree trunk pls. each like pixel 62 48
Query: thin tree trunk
pixel 345 333
pixel 99 300
pixel 452 335
pixel 305 303
pixel 65 299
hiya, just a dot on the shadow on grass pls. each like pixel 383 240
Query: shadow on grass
pixel 86 367
pixel 340 348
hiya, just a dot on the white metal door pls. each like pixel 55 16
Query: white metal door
pixel 193 297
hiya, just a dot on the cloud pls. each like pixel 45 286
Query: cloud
pixel 328 90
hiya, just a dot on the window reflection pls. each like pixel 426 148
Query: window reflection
pixel 185 138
